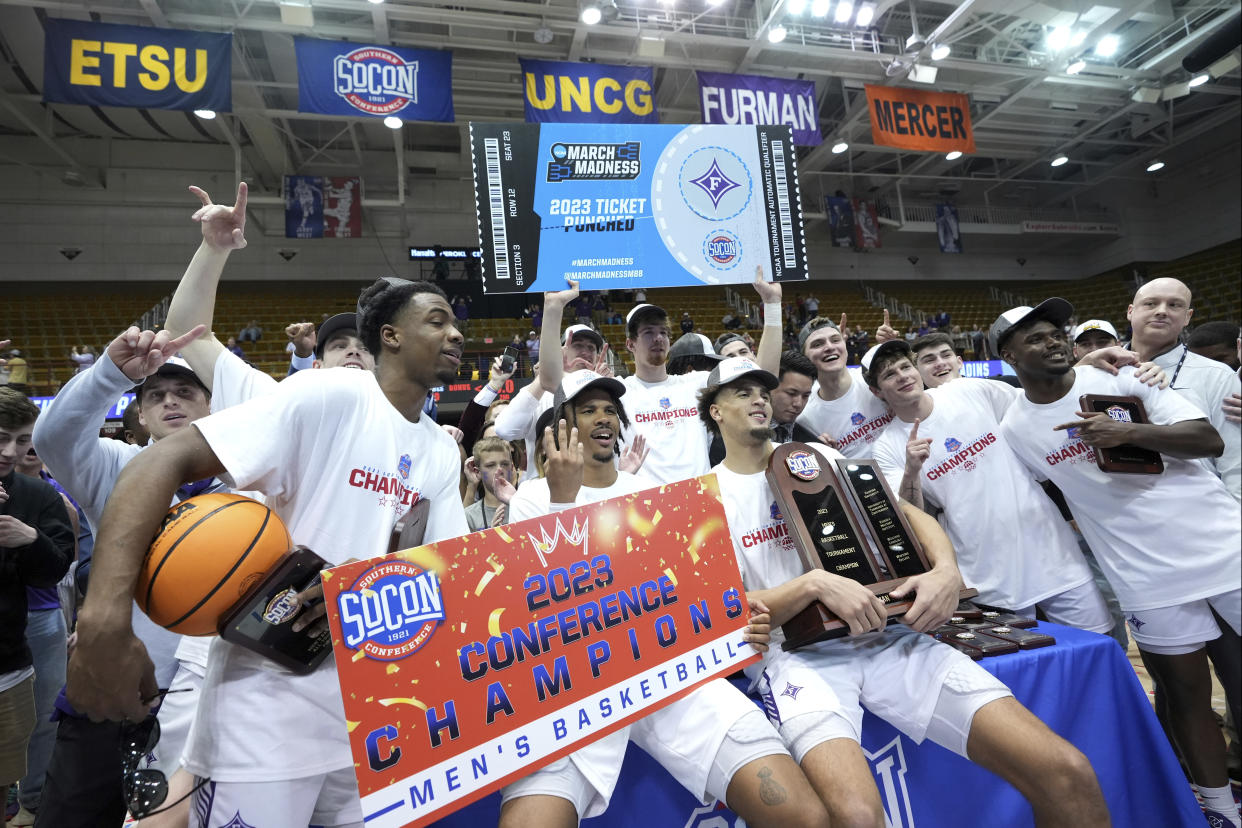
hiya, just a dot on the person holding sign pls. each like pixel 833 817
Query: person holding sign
pixel 341 456
pixel 816 693
pixel 715 741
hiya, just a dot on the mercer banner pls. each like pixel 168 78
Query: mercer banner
pixel 588 93
pixel 338 78
pixel 102 64
pixel 322 208
pixel 916 120
pixel 751 99
pixel 469 663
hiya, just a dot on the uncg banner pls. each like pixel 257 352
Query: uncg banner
pixel 751 99
pixel 336 78
pixel 322 208
pixel 588 93
pixel 102 64
pixel 916 120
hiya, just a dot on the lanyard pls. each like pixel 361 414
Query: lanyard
pixel 1178 369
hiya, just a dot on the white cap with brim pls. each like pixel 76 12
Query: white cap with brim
pixel 575 382
pixel 582 330
pixel 644 308
pixel 174 367
pixel 1055 310
pixel 735 368
pixel 1094 325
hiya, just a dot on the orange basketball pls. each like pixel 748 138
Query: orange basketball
pixel 210 550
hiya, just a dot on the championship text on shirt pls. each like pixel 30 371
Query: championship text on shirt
pixel 862 431
pixel 961 457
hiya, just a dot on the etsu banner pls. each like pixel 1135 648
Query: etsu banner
pixel 337 78
pixel 102 64
pixel 588 93
pixel 751 99
pixel 916 120
pixel 322 208
pixel 469 663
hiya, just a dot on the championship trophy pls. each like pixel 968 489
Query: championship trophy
pixel 845 521
pixel 1126 458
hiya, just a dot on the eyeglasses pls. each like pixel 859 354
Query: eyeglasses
pixel 146 789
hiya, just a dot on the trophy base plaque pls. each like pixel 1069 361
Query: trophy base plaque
pixel 1126 458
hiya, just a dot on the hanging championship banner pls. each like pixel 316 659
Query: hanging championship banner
pixel 588 93
pixel 840 220
pixel 468 663
pixel 338 78
pixel 948 229
pixel 916 120
pixel 635 206
pixel 866 226
pixel 751 99
pixel 102 64
pixel 322 208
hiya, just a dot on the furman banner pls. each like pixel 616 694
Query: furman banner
pixel 916 120
pixel 468 663
pixel 588 93
pixel 103 64
pixel 751 99
pixel 338 78
pixel 322 208
pixel 645 206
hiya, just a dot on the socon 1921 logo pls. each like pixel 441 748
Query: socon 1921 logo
pixel 802 465
pixel 391 610
pixel 722 249
pixel 376 81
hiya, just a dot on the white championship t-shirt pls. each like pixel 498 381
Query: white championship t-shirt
pixel 1012 543
pixel 854 420
pixel 667 414
pixel 533 499
pixel 1161 539
pixel 339 464
pixel 1206 383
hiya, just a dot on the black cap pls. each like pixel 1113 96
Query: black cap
pixel 332 326
pixel 726 338
pixel 811 327
pixel 693 344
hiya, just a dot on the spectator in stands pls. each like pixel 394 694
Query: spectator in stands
pixel 251 333
pixel 532 347
pixel 599 308
pixel 615 318
pixel 925 328
pixel 862 341
pixel 1216 340
pixel 640 295
pixel 911 334
pixel 977 340
pixel 1091 336
pixel 940 320
pixel 730 322
pixel 536 317
pixel 461 311
pixel 731 345
pixel 84 358
pixel 961 342
pixel 1158 315
pixel 18 372
pixel 687 324
pixel 233 348
pixel 493 461
pixel 811 306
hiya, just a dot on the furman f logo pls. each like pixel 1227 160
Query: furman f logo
pixel 594 162
pixel 888 765
pixel 576 536
pixel 391 610
pixel 375 80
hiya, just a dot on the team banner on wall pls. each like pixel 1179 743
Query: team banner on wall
pixel 337 78
pixel 468 663
pixel 840 220
pixel 947 229
pixel 916 120
pixel 648 205
pixel 103 64
pixel 317 207
pixel 751 99
pixel 588 93
pixel 866 226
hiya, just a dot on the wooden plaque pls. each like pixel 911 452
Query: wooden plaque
pixel 1126 458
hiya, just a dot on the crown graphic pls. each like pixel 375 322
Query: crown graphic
pixel 545 545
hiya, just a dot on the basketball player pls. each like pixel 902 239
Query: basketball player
pixel 936 360
pixel 841 406
pixel 943 451
pixel 715 741
pixel 1168 542
pixel 300 445
pixel 890 670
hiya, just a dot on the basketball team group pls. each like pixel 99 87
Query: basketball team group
pixel 997 480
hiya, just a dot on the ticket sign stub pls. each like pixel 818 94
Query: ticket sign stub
pixel 468 663
pixel 635 205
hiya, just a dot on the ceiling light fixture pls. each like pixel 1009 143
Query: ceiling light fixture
pixel 839 147
pixel 591 15
pixel 866 13
pixel 1078 37
pixel 776 34
pixel 940 51
pixel 543 35
pixel 393 122
pixel 953 156
pixel 375 2
pixel 1199 80
pixel 819 8
pixel 1058 38
pixel 1075 67
pixel 205 114
pixel 1108 45
pixel 845 10
pixel 1060 160
pixel 1155 166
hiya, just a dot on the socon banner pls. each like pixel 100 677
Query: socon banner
pixel 322 208
pixel 468 663
pixel 648 205
pixel 916 120
pixel 751 99
pixel 588 93
pixel 338 78
pixel 102 64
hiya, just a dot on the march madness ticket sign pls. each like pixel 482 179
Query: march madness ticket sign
pixel 468 663
pixel 635 205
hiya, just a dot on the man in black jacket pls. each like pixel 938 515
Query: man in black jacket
pixel 36 548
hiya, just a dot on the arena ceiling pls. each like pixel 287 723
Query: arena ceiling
pixel 1027 108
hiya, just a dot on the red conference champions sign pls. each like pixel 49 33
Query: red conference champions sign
pixel 469 663
pixel 916 120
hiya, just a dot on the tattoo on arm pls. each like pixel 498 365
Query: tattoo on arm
pixel 770 791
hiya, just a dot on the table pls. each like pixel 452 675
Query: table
pixel 1083 688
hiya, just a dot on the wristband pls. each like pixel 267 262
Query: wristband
pixel 771 313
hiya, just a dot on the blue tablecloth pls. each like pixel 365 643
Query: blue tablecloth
pixel 1083 688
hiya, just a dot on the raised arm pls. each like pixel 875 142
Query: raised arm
pixel 768 354
pixel 194 302
pixel 551 367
